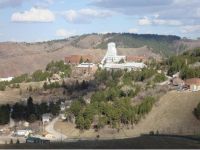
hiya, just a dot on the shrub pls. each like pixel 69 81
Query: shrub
pixel 160 77
pixel 197 111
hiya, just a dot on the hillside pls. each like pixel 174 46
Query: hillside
pixel 18 58
pixel 163 117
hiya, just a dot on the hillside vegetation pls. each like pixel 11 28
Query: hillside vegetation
pixel 161 44
pixel 186 64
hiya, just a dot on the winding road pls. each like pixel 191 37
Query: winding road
pixel 50 129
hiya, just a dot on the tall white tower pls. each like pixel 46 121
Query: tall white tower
pixel 111 55
pixel 112 51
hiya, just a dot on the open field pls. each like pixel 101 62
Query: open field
pixel 10 96
pixel 172 114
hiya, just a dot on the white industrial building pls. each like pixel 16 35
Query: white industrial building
pixel 112 61
pixel 129 66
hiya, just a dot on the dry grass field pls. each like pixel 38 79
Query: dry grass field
pixel 12 96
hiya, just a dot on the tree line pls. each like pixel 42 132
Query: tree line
pixel 28 111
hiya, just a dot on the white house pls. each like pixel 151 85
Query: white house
pixel 24 133
pixel 6 79
pixel 62 106
pixel 46 118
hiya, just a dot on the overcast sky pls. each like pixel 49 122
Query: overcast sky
pixel 39 20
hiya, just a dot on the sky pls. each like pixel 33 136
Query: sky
pixel 42 20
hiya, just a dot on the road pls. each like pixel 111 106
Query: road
pixel 50 129
pixel 12 123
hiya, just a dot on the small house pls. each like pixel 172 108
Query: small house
pixel 46 118
pixel 88 68
pixel 193 84
pixel 22 133
pixel 6 79
pixel 62 106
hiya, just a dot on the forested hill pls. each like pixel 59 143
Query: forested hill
pixel 160 44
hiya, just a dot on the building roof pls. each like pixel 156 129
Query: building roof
pixel 193 81
pixel 86 65
pixel 125 65
pixel 45 116
pixel 75 59
pixel 135 58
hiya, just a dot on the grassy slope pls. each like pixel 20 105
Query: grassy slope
pixel 173 114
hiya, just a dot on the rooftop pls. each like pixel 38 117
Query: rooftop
pixel 191 81
pixel 76 58
pixel 85 65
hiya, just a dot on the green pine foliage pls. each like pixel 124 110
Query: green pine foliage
pixel 59 66
pixel 32 112
pixel 182 64
pixel 113 105
pixel 197 111
pixel 4 114
pixel 159 77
